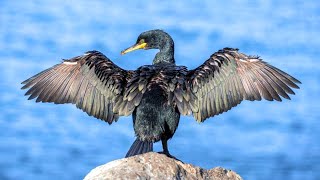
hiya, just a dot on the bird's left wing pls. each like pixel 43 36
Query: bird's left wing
pixel 91 81
pixel 229 77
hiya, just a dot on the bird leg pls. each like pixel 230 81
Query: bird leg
pixel 165 149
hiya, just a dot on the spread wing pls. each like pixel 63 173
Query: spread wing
pixel 229 77
pixel 92 82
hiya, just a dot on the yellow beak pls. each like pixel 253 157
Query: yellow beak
pixel 134 47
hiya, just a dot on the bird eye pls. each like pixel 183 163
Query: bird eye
pixel 141 41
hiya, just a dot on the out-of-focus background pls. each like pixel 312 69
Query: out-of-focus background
pixel 259 140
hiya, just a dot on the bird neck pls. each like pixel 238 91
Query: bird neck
pixel 164 57
pixel 166 54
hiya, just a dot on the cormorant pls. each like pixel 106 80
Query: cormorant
pixel 156 95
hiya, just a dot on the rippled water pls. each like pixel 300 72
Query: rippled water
pixel 258 140
pixel 56 144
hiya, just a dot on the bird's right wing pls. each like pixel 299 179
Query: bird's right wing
pixel 229 77
pixel 91 81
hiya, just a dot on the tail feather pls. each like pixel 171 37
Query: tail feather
pixel 140 147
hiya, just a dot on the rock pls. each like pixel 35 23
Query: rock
pixel 156 166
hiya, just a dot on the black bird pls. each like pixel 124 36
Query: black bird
pixel 156 95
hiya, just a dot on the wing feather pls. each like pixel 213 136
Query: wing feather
pixel 229 77
pixel 90 81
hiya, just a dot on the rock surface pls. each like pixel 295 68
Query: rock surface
pixel 156 166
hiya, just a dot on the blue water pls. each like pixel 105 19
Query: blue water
pixel 258 140
pixel 52 143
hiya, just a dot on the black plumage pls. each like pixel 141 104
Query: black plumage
pixel 156 95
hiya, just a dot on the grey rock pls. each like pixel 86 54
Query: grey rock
pixel 156 166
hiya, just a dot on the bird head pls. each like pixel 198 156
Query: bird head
pixel 153 39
